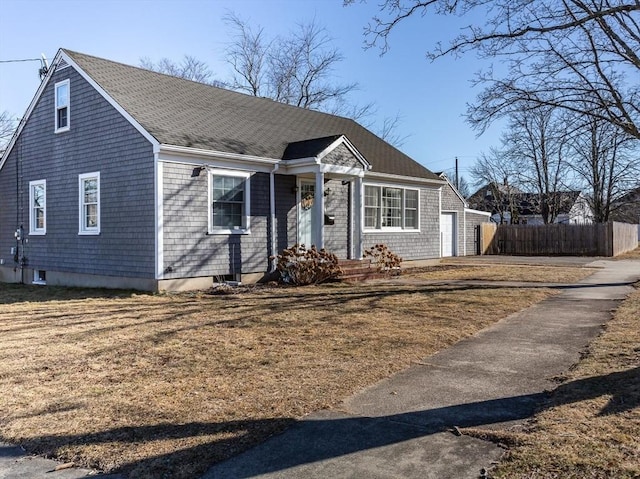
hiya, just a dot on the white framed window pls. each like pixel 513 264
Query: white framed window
pixel 38 207
pixel 62 110
pixel 392 208
pixel 89 202
pixel 229 200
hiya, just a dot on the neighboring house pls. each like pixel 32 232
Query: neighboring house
pixel 123 177
pixel 627 208
pixel 514 206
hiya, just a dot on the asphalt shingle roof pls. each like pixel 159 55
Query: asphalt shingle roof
pixel 190 114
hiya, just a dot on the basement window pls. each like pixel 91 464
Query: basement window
pixel 39 277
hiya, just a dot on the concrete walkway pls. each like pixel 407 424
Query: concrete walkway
pixel 401 427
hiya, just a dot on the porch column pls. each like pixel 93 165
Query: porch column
pixel 318 204
pixel 358 220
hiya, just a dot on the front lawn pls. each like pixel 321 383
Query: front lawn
pixel 166 385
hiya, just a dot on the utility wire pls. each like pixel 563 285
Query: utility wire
pixel 22 60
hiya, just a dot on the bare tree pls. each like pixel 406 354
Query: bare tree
pixel 296 69
pixel 7 126
pixel 535 144
pixel 605 160
pixel 495 175
pixel 579 55
pixel 248 55
pixel 190 68
pixel 459 181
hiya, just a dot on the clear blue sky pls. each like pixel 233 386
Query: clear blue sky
pixel 430 97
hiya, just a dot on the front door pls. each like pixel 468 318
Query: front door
pixel 306 215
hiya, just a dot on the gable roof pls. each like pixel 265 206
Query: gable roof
pixel 194 115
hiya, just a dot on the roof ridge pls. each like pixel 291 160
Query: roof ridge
pixel 73 53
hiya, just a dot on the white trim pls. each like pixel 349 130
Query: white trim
pixel 354 151
pixel 33 231
pixel 159 218
pixel 272 214
pixel 318 205
pixel 455 190
pixel 67 127
pixel 358 193
pixel 404 179
pixel 391 229
pixel 30 108
pixel 211 172
pixel 226 160
pixel 440 222
pixel 64 56
pixel 82 228
pixel 478 212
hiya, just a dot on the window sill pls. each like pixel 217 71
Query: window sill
pixel 88 233
pixel 62 130
pixel 229 232
pixel 37 233
pixel 390 230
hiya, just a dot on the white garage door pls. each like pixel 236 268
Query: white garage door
pixel 448 234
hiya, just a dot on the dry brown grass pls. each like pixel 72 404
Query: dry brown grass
pixel 494 272
pixel 591 426
pixel 635 254
pixel 155 385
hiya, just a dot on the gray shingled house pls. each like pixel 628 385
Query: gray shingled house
pixel 122 177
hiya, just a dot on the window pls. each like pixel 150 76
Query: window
pixel 39 276
pixel 38 207
pixel 89 186
pixel 411 200
pixel 229 202
pixel 388 207
pixel 62 106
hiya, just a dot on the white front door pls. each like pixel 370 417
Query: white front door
pixel 447 234
pixel 306 215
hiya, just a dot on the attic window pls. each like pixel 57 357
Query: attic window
pixel 62 106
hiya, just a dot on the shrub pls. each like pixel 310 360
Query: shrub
pixel 383 259
pixel 299 265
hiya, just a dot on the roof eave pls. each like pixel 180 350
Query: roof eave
pixel 404 179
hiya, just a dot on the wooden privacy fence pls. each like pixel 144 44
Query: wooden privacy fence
pixel 603 239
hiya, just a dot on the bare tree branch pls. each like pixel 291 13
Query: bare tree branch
pixel 556 52
pixel 190 68
pixel 8 125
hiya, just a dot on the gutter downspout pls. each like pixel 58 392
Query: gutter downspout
pixel 272 207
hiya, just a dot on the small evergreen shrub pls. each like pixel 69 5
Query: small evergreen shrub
pixel 300 266
pixel 384 259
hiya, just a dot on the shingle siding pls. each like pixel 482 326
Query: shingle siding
pixel 8 211
pixel 189 251
pixel 336 204
pixel 473 222
pixel 99 140
pixel 414 245
pixel 286 212
pixel 342 156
